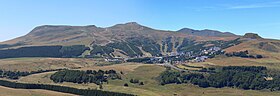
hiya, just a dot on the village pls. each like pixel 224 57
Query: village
pixel 174 58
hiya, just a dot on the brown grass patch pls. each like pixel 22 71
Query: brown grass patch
pixel 34 64
pixel 5 91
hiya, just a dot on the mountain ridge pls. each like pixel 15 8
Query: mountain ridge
pixel 205 32
pixel 52 34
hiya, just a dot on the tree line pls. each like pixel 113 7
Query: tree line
pixel 64 89
pixel 88 76
pixel 44 51
pixel 243 54
pixel 189 45
pixel 130 47
pixel 139 60
pixel 18 74
pixel 136 81
pixel 250 77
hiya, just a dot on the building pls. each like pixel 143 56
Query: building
pixel 268 78
pixel 115 59
pixel 200 59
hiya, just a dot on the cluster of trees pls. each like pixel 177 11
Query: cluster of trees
pixel 207 70
pixel 12 75
pixel 44 51
pixel 34 51
pixel 17 74
pixel 189 45
pixel 250 77
pixel 163 47
pixel 243 68
pixel 168 42
pixel 125 84
pixel 147 45
pixel 140 60
pixel 196 47
pixel 136 81
pixel 129 48
pixel 169 76
pixel 102 50
pixel 186 42
pixel 72 51
pixel 243 54
pixel 169 47
pixel 152 48
pixel 64 89
pixel 227 44
pixel 176 44
pixel 89 76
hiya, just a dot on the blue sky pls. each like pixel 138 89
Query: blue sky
pixel 18 17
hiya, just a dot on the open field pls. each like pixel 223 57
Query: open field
pixel 148 74
pixel 34 64
pixel 5 91
pixel 267 48
pixel 43 78
pixel 271 63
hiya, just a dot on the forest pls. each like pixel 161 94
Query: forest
pixel 18 74
pixel 88 76
pixel 130 47
pixel 243 54
pixel 243 77
pixel 140 60
pixel 44 51
pixel 64 89
pixel 102 50
pixel 72 51
pixel 189 45
pixel 148 45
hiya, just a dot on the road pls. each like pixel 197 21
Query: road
pixel 172 66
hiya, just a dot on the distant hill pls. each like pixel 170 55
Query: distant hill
pixel 252 36
pixel 258 45
pixel 206 32
pixel 86 35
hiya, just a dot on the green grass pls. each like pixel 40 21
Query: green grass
pixel 148 74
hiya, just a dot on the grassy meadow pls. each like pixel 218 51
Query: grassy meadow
pixel 148 74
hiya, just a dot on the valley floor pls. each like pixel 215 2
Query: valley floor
pixel 146 73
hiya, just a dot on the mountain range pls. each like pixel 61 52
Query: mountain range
pixel 132 39
pixel 71 35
